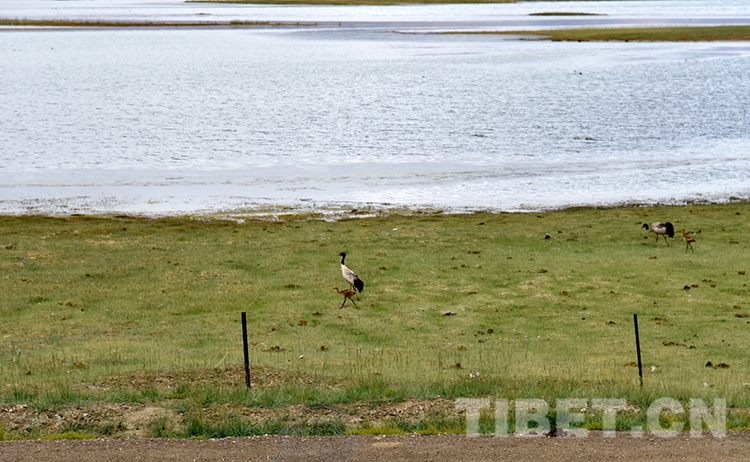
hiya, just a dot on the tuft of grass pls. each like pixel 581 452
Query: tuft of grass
pixel 70 435
pixel 200 427
pixel 5 435
pixel 161 427
pixel 388 428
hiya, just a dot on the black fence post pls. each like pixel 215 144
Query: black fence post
pixel 638 348
pixel 244 346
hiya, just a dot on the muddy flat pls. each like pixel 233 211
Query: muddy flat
pixel 734 447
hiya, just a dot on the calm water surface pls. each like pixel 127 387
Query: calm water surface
pixel 164 121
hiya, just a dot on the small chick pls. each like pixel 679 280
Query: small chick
pixel 348 294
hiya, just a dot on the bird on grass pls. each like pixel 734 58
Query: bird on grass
pixel 351 277
pixel 688 240
pixel 348 294
pixel 660 229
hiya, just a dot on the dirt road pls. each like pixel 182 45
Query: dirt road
pixel 734 447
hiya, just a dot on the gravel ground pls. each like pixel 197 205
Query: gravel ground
pixel 734 447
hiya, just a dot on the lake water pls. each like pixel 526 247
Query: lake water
pixel 375 113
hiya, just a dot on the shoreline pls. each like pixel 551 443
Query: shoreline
pixel 340 211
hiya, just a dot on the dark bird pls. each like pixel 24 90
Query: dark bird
pixel 350 276
pixel 660 229
pixel 348 294
pixel 688 240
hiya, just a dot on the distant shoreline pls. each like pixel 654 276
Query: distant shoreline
pixel 625 34
pixel 335 212
pixel 68 23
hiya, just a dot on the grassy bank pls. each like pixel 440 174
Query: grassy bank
pixel 128 24
pixel 637 34
pixel 104 312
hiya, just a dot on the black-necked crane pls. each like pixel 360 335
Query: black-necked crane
pixel 688 240
pixel 350 276
pixel 348 294
pixel 660 229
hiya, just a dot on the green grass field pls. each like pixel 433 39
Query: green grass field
pixel 120 310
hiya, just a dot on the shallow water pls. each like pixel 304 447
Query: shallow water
pixel 163 121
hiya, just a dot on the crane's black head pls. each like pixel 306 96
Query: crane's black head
pixel 645 226
pixel 342 254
